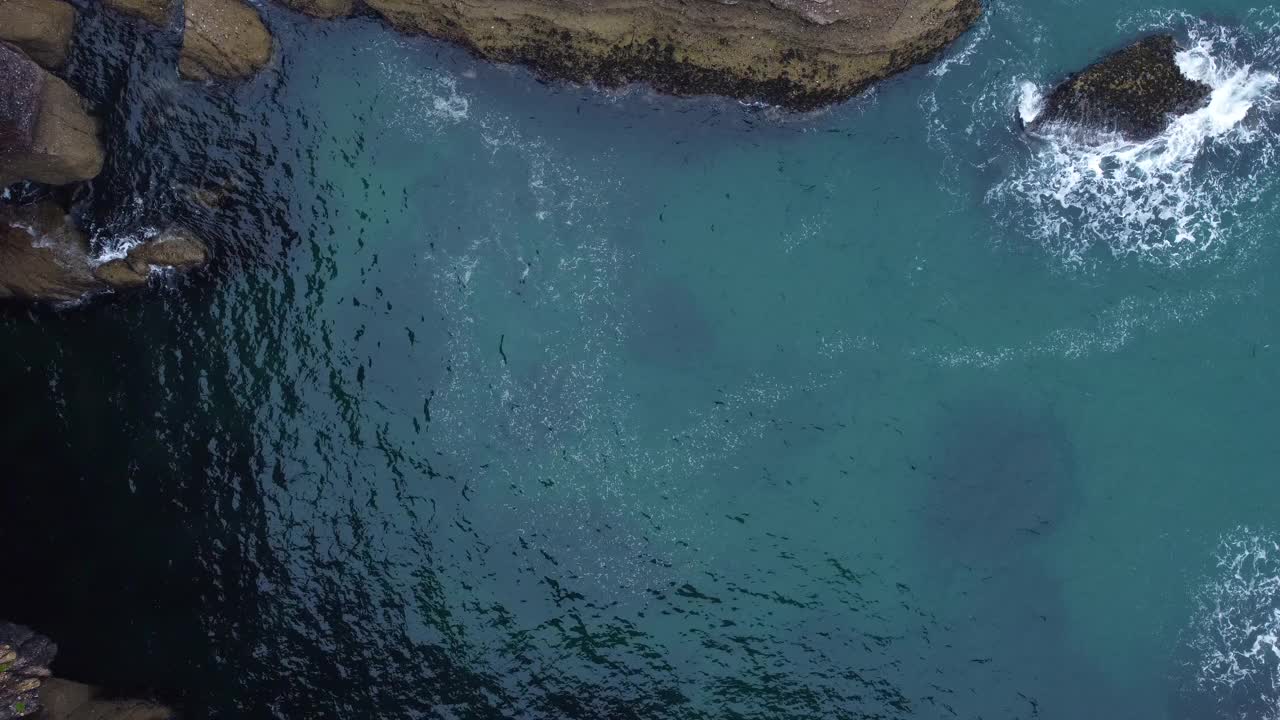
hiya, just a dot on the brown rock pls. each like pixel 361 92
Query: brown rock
pixel 796 53
pixel 176 247
pixel 121 274
pixel 222 39
pixel 156 12
pixel 45 133
pixel 41 28
pixel 322 8
pixel 42 255
pixel 65 700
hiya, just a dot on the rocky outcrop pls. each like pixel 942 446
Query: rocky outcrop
pixel 1135 91
pixel 44 257
pixel 798 53
pixel 24 666
pixel 222 39
pixel 322 8
pixel 27 690
pixel 175 248
pixel 45 133
pixel 40 28
pixel 156 12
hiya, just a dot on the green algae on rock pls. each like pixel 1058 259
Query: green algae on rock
pixel 800 54
pixel 1134 91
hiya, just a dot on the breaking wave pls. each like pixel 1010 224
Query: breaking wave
pixel 1235 633
pixel 1174 199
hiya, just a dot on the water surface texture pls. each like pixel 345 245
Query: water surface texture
pixel 507 399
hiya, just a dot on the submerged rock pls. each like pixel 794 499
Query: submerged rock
pixel 65 700
pixel 1136 91
pixel 156 12
pixel 222 39
pixel 798 53
pixel 45 133
pixel 24 665
pixel 41 28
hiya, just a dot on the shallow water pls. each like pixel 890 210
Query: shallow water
pixel 514 399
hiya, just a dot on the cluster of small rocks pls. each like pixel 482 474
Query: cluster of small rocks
pixel 49 136
pixel 24 665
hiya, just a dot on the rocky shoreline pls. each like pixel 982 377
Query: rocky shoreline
pixel 798 54
pixel 28 689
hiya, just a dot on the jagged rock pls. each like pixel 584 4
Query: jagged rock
pixel 45 133
pixel 65 700
pixel 797 53
pixel 322 8
pixel 156 12
pixel 41 28
pixel 24 665
pixel 43 256
pixel 1135 91
pixel 222 39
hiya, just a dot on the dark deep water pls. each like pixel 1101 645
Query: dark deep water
pixel 506 399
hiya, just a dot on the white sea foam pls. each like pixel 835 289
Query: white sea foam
pixel 1173 199
pixel 1235 631
pixel 1030 101
pixel 424 102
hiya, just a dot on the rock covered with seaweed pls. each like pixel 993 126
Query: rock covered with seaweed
pixel 801 54
pixel 1135 91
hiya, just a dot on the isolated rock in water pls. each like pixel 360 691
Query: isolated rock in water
pixel 156 12
pixel 45 133
pixel 797 53
pixel 24 666
pixel 65 700
pixel 176 247
pixel 1135 91
pixel 322 8
pixel 40 28
pixel 42 255
pixel 222 39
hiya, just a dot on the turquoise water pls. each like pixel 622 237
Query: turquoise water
pixel 513 399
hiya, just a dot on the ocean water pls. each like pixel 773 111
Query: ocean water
pixel 515 399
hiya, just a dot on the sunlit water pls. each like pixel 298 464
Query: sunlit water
pixel 508 399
